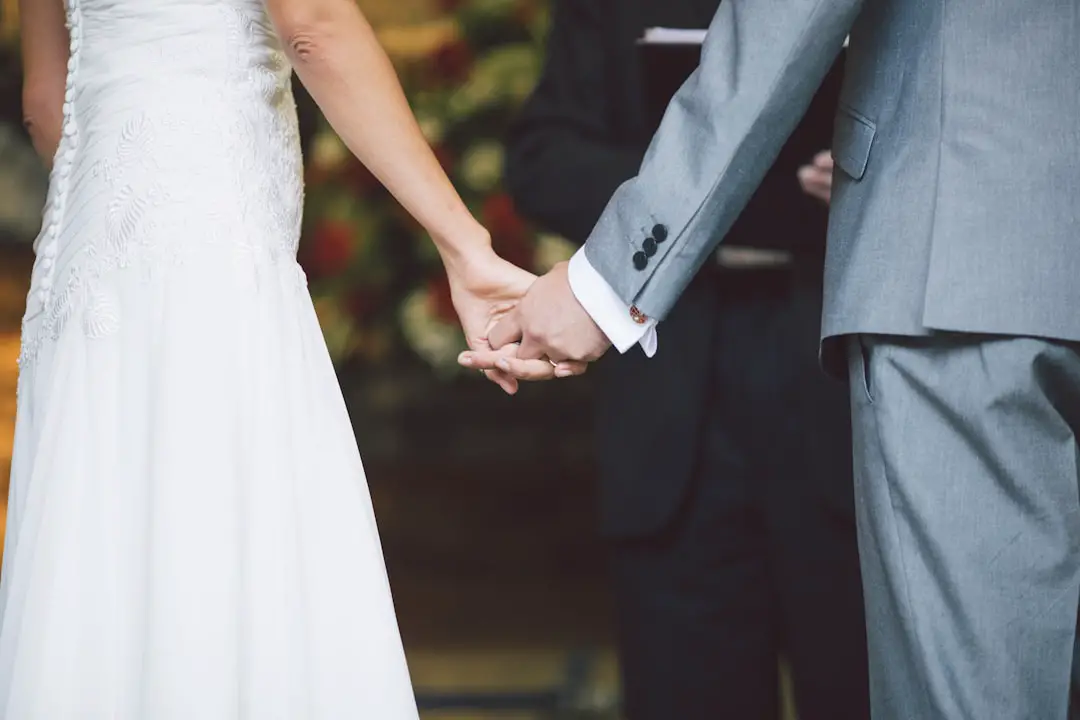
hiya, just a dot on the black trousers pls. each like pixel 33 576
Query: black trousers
pixel 761 561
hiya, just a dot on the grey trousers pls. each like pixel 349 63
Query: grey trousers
pixel 966 490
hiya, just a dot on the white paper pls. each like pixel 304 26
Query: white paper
pixel 673 36
pixel 680 36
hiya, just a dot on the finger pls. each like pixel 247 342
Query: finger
pixel 531 349
pixel 505 331
pixel 507 361
pixel 508 383
pixel 497 313
pixel 570 368
pixel 485 359
pixel 814 185
pixel 527 369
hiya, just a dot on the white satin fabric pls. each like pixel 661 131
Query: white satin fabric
pixel 190 535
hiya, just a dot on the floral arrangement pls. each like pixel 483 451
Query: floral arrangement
pixel 378 286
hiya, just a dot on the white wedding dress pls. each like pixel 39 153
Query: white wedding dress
pixel 190 535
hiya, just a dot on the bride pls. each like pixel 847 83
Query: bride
pixel 190 535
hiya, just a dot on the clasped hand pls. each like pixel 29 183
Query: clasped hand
pixel 547 334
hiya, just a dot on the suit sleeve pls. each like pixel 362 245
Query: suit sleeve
pixel 562 168
pixel 762 62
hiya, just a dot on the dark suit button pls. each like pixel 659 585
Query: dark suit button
pixel 660 233
pixel 640 260
pixel 649 246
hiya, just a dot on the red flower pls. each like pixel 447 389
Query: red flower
pixel 526 11
pixel 329 250
pixel 452 62
pixel 445 157
pixel 442 304
pixel 450 6
pixel 509 233
pixel 362 303
pixel 408 223
pixel 359 178
pixel 315 176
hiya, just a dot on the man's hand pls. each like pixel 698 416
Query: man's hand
pixel 552 328
pixel 816 178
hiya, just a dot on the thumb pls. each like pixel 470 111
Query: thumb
pixel 505 331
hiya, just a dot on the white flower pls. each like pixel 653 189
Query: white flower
pixel 336 328
pixel 482 166
pixel 432 127
pixel 496 8
pixel 328 151
pixel 551 250
pixel 478 92
pixel 437 342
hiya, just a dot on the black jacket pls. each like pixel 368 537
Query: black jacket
pixel 584 132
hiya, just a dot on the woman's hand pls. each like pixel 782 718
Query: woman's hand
pixel 484 287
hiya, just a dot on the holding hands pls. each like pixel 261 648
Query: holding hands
pixel 520 327
pixel 508 315
pixel 547 334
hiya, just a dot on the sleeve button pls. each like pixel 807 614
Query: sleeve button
pixel 640 260
pixel 659 232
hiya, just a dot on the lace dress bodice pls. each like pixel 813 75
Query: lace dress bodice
pixel 179 138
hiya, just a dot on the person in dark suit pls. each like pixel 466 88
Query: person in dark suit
pixel 725 461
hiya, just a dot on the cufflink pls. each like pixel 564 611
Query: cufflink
pixel 637 316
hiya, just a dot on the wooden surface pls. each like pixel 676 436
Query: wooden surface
pixel 14 271
pixel 9 351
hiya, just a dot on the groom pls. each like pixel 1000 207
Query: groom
pixel 952 288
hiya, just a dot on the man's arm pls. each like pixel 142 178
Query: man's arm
pixel 762 62
pixel 562 165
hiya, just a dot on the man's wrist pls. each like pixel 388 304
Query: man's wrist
pixel 623 324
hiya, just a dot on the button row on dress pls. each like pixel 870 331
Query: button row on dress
pixel 66 156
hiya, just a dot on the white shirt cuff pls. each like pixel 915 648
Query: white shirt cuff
pixel 608 310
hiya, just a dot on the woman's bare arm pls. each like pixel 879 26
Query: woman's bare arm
pixel 44 43
pixel 336 54
pixel 338 57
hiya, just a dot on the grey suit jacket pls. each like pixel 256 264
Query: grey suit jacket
pixel 956 204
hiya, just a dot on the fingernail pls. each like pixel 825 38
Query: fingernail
pixel 465 359
pixel 563 372
pixel 504 364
